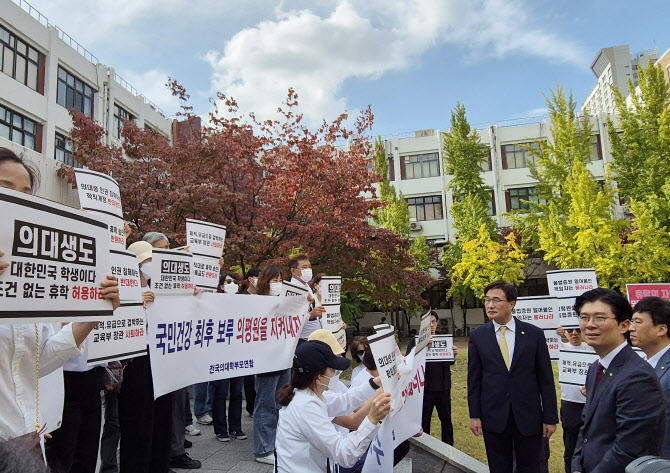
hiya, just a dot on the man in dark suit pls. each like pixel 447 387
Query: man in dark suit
pixel 649 330
pixel 624 414
pixel 437 390
pixel 511 391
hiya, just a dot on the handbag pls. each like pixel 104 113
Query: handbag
pixel 113 376
pixel 31 443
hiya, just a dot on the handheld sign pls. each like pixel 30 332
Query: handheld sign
pixel 636 292
pixel 566 284
pixel 205 241
pixel 56 265
pixel 171 272
pixel 126 269
pixel 574 363
pixel 383 347
pixel 120 338
pixel 424 336
pixel 442 349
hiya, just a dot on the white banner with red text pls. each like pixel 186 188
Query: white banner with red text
pixel 196 339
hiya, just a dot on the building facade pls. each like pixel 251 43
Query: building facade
pixel 45 73
pixel 613 67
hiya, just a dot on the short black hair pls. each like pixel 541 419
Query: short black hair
pixel 657 308
pixel 9 155
pixel 434 314
pixel 618 303
pixel 295 261
pixel 508 288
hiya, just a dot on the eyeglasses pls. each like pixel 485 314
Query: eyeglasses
pixel 598 319
pixel 573 330
pixel 494 301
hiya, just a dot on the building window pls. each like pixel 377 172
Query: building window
pixel 63 151
pixel 487 164
pixel 121 115
pixel 391 169
pixel 516 155
pixel 492 204
pixel 420 165
pixel 595 149
pixel 533 287
pixel 517 198
pixel 18 60
pixel 73 93
pixel 425 208
pixel 18 129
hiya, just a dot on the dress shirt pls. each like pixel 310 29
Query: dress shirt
pixel 306 440
pixel 607 359
pixel 509 336
pixel 310 325
pixel 80 364
pixel 570 392
pixel 358 369
pixel 362 377
pixel 17 371
pixel 343 404
pixel 653 361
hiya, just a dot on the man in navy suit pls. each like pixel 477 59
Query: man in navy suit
pixel 624 414
pixel 511 391
pixel 649 330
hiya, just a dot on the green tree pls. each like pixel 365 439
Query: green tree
pixel 464 154
pixel 641 143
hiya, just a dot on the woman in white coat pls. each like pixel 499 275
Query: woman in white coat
pixel 307 441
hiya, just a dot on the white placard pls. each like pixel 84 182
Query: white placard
pixel 56 265
pixel 171 272
pixel 571 282
pixel 127 271
pixel 383 346
pixel 121 338
pixel 442 349
pixel 341 337
pixel 204 238
pixel 331 288
pixel 288 289
pixel 574 363
pixel 117 235
pixel 195 339
pixel 424 335
pixel 332 318
pixel 567 317
pixel 52 390
pixel 206 272
pixel 553 343
pixel 537 310
pixel 98 192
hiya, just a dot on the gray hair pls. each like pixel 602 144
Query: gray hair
pixel 153 237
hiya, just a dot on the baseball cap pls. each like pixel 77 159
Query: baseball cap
pixel 327 337
pixel 315 355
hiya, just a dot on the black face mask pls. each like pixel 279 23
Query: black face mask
pixel 358 356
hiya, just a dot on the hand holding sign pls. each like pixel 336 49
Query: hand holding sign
pixel 3 264
pixel 381 407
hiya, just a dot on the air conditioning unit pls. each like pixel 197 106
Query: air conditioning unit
pixel 415 226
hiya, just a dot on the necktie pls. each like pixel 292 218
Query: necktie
pixel 504 349
pixel 599 376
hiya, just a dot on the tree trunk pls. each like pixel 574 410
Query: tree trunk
pixel 464 309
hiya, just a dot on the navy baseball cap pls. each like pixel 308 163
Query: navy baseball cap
pixel 315 355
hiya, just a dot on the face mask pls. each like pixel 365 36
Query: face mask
pixel 358 356
pixel 306 275
pixel 275 288
pixel 253 281
pixel 231 288
pixel 146 270
pixel 332 381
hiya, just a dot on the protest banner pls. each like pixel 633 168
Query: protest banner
pixel 442 348
pixel 537 310
pixel 171 272
pixel 288 289
pixel 121 338
pixel 332 318
pixel 574 363
pixel 424 335
pixel 566 284
pixel 383 346
pixel 636 292
pixel 56 266
pixel 206 272
pixel 331 288
pixel 195 339
pixel 204 238
pixel 126 269
pixel 553 343
pixel 341 337
pixel 404 420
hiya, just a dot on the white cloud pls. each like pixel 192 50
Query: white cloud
pixel 316 54
pixel 151 84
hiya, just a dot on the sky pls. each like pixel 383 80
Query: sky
pixel 411 60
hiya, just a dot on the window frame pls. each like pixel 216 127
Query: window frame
pixel 120 116
pixel 66 149
pixel 524 153
pixel 418 161
pixel 10 124
pixel 12 44
pixel 420 206
pixel 532 192
pixel 73 87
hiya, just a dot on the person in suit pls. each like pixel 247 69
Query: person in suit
pixel 511 391
pixel 649 331
pixel 437 390
pixel 624 414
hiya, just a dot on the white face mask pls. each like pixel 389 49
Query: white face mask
pixel 231 288
pixel 306 275
pixel 332 381
pixel 275 288
pixel 146 269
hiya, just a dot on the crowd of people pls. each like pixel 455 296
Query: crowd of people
pixel 306 419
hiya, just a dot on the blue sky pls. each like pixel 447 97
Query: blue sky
pixel 412 60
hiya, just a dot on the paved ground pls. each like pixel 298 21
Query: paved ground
pixel 234 456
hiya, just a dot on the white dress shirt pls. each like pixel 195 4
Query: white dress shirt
pixel 310 325
pixel 306 440
pixel 653 361
pixel 17 371
pixel 362 377
pixel 344 403
pixel 355 371
pixel 607 359
pixel 509 335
